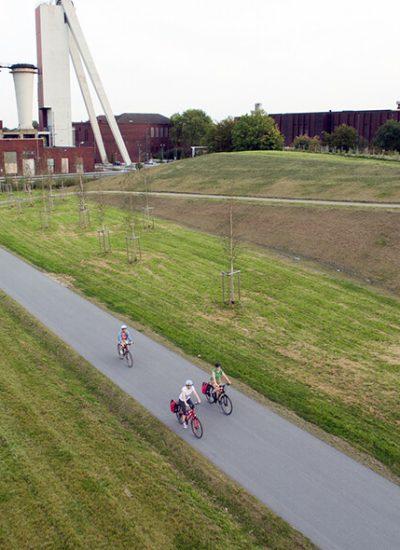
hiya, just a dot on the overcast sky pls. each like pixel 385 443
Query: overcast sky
pixel 223 56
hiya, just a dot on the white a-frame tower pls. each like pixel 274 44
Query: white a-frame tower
pixel 59 35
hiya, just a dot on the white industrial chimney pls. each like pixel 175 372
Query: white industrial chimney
pixel 23 82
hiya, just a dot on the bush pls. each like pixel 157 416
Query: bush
pixel 307 143
pixel 344 137
pixel 388 136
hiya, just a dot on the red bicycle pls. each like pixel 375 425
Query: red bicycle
pixel 191 418
pixel 124 353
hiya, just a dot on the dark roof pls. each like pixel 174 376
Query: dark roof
pixel 23 66
pixel 139 118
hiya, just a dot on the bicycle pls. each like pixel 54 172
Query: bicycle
pixel 126 354
pixel 223 400
pixel 191 418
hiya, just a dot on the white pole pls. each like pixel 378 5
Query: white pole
pixel 77 33
pixel 80 74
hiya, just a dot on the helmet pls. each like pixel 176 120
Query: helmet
pixel 217 365
pixel 123 326
pixel 189 383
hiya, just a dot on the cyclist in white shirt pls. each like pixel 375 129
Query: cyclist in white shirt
pixel 185 401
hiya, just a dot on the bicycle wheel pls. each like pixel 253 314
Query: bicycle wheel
pixel 197 428
pixel 129 358
pixel 179 417
pixel 120 355
pixel 226 404
pixel 209 396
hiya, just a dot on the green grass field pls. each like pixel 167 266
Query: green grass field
pixel 271 173
pixel 83 466
pixel 327 349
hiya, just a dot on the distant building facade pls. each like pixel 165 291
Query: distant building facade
pixel 366 123
pixel 145 136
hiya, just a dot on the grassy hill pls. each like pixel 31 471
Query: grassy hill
pixel 83 466
pixel 272 173
pixel 364 243
pixel 321 346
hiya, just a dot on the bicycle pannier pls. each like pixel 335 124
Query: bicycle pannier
pixel 173 406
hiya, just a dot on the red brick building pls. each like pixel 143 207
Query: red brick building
pixel 366 123
pixel 29 157
pixel 145 135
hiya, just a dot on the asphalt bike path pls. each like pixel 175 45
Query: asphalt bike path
pixel 282 201
pixel 332 499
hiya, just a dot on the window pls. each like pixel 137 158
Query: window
pixel 64 166
pixel 166 132
pixel 152 132
pixel 161 131
pixel 50 166
pixel 28 167
pixel 10 163
pixel 157 132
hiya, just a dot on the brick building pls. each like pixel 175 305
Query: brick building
pixel 366 123
pixel 145 136
pixel 30 157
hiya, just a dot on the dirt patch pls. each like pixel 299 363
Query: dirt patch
pixel 63 279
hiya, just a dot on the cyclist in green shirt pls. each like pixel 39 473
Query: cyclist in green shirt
pixel 215 380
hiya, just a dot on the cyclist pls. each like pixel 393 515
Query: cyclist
pixel 185 401
pixel 215 380
pixel 123 339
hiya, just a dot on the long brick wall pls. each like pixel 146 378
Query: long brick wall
pixel 366 123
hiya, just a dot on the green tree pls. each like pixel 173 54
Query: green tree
pixel 388 136
pixel 192 127
pixel 345 137
pixel 326 139
pixel 221 136
pixel 255 132
pixel 307 143
pixel 302 142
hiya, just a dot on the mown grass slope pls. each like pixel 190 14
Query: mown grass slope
pixel 271 173
pixel 83 466
pixel 325 348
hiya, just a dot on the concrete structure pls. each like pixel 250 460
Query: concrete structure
pixel 76 60
pixel 59 34
pixel 366 123
pixel 146 136
pixel 54 96
pixel 23 82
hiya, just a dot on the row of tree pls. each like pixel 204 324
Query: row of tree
pixel 346 138
pixel 258 131
pixel 255 131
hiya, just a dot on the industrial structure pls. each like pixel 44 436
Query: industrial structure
pixel 52 146
pixel 26 150
pixel 366 123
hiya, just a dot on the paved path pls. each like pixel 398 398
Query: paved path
pixel 257 199
pixel 239 198
pixel 336 502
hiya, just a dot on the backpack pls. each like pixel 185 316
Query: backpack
pixel 173 406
